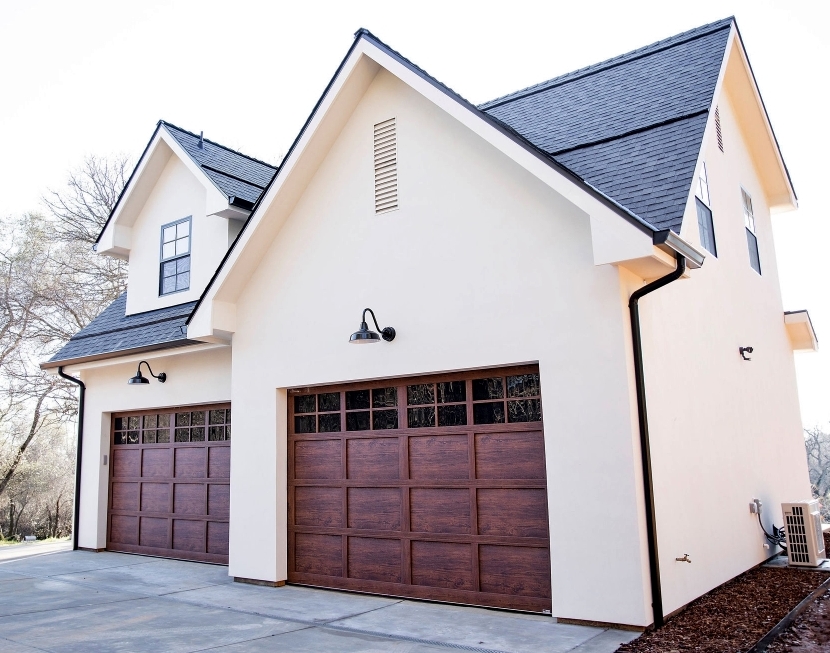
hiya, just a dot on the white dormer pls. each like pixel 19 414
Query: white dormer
pixel 182 207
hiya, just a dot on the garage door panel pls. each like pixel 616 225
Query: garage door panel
pixel 373 459
pixel 446 502
pixel 521 571
pixel 375 559
pixel 440 510
pixel 169 496
pixel 519 455
pixel 124 529
pixel 126 463
pixel 512 512
pixel 318 554
pixel 443 564
pixel 155 497
pixel 374 508
pixel 318 459
pixel 439 457
pixel 318 506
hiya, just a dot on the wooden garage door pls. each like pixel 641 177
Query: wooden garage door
pixel 170 483
pixel 431 488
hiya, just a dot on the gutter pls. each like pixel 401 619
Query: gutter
pixel 645 450
pixel 78 451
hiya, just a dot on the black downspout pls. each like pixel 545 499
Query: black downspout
pixel 78 452
pixel 645 450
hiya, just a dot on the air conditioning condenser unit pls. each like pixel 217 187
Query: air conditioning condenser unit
pixel 805 542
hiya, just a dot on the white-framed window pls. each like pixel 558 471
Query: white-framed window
pixel 174 270
pixel 751 237
pixel 705 224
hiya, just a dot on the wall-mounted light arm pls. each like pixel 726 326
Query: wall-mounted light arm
pixel 364 336
pixel 140 379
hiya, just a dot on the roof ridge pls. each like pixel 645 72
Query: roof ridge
pixel 633 55
pixel 224 147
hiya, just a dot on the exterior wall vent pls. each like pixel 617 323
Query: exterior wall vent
pixel 386 166
pixel 717 129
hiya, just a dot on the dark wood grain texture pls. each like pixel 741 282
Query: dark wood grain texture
pixel 170 499
pixel 447 513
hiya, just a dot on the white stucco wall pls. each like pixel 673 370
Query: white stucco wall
pixel 177 194
pixel 482 265
pixel 192 378
pixel 723 430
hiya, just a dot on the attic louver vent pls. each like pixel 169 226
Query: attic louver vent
pixel 717 129
pixel 386 166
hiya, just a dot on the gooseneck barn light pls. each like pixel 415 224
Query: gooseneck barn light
pixel 364 336
pixel 139 379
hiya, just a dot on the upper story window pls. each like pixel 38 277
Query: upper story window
pixel 704 214
pixel 751 238
pixel 175 257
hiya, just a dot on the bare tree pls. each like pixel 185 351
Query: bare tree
pixel 817 442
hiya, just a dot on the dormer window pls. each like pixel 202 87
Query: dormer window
pixel 175 257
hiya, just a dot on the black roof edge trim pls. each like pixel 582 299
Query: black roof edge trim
pixel 521 94
pixel 240 203
pixel 230 176
pixel 84 336
pixel 129 181
pixel 118 353
pixel 273 179
pixel 632 132
pixel 764 107
pixel 631 217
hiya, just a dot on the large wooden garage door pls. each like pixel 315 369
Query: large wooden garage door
pixel 170 483
pixel 431 488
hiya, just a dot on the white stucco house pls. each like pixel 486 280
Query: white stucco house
pixel 513 441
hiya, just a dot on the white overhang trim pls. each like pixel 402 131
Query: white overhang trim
pixel 800 330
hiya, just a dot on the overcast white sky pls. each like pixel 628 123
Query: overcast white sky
pixel 85 77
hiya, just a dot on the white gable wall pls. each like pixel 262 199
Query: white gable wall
pixel 176 195
pixel 482 265
pixel 723 430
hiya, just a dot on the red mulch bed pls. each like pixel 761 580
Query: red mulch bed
pixel 733 617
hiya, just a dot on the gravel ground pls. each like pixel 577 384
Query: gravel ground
pixel 732 617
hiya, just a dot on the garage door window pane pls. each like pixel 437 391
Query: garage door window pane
pixel 148 437
pixel 452 415
pixel 489 413
pixel 304 403
pixel 357 400
pixel 328 402
pixel 384 419
pixel 182 419
pixel 527 410
pixel 357 421
pixel 421 417
pixel 197 434
pixel 417 395
pixel 524 385
pixel 197 418
pixel 384 397
pixel 330 423
pixel 452 391
pixel 182 435
pixel 488 389
pixel 305 424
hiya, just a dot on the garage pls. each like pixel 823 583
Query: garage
pixel 430 487
pixel 169 490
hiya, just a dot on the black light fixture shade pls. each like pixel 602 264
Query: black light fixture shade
pixel 140 379
pixel 364 336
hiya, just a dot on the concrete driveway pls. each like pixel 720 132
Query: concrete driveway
pixel 85 602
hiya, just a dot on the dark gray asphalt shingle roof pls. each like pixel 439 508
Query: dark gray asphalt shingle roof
pixel 631 126
pixel 235 174
pixel 113 331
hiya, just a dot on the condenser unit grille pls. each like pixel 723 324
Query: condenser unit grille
pixel 386 166
pixel 797 536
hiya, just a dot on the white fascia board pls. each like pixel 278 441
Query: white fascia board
pixel 116 238
pixel 800 331
pixel 634 234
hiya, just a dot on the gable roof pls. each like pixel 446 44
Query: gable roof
pixel 235 174
pixel 631 126
pixel 113 333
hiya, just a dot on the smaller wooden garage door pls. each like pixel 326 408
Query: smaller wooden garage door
pixel 430 487
pixel 169 489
